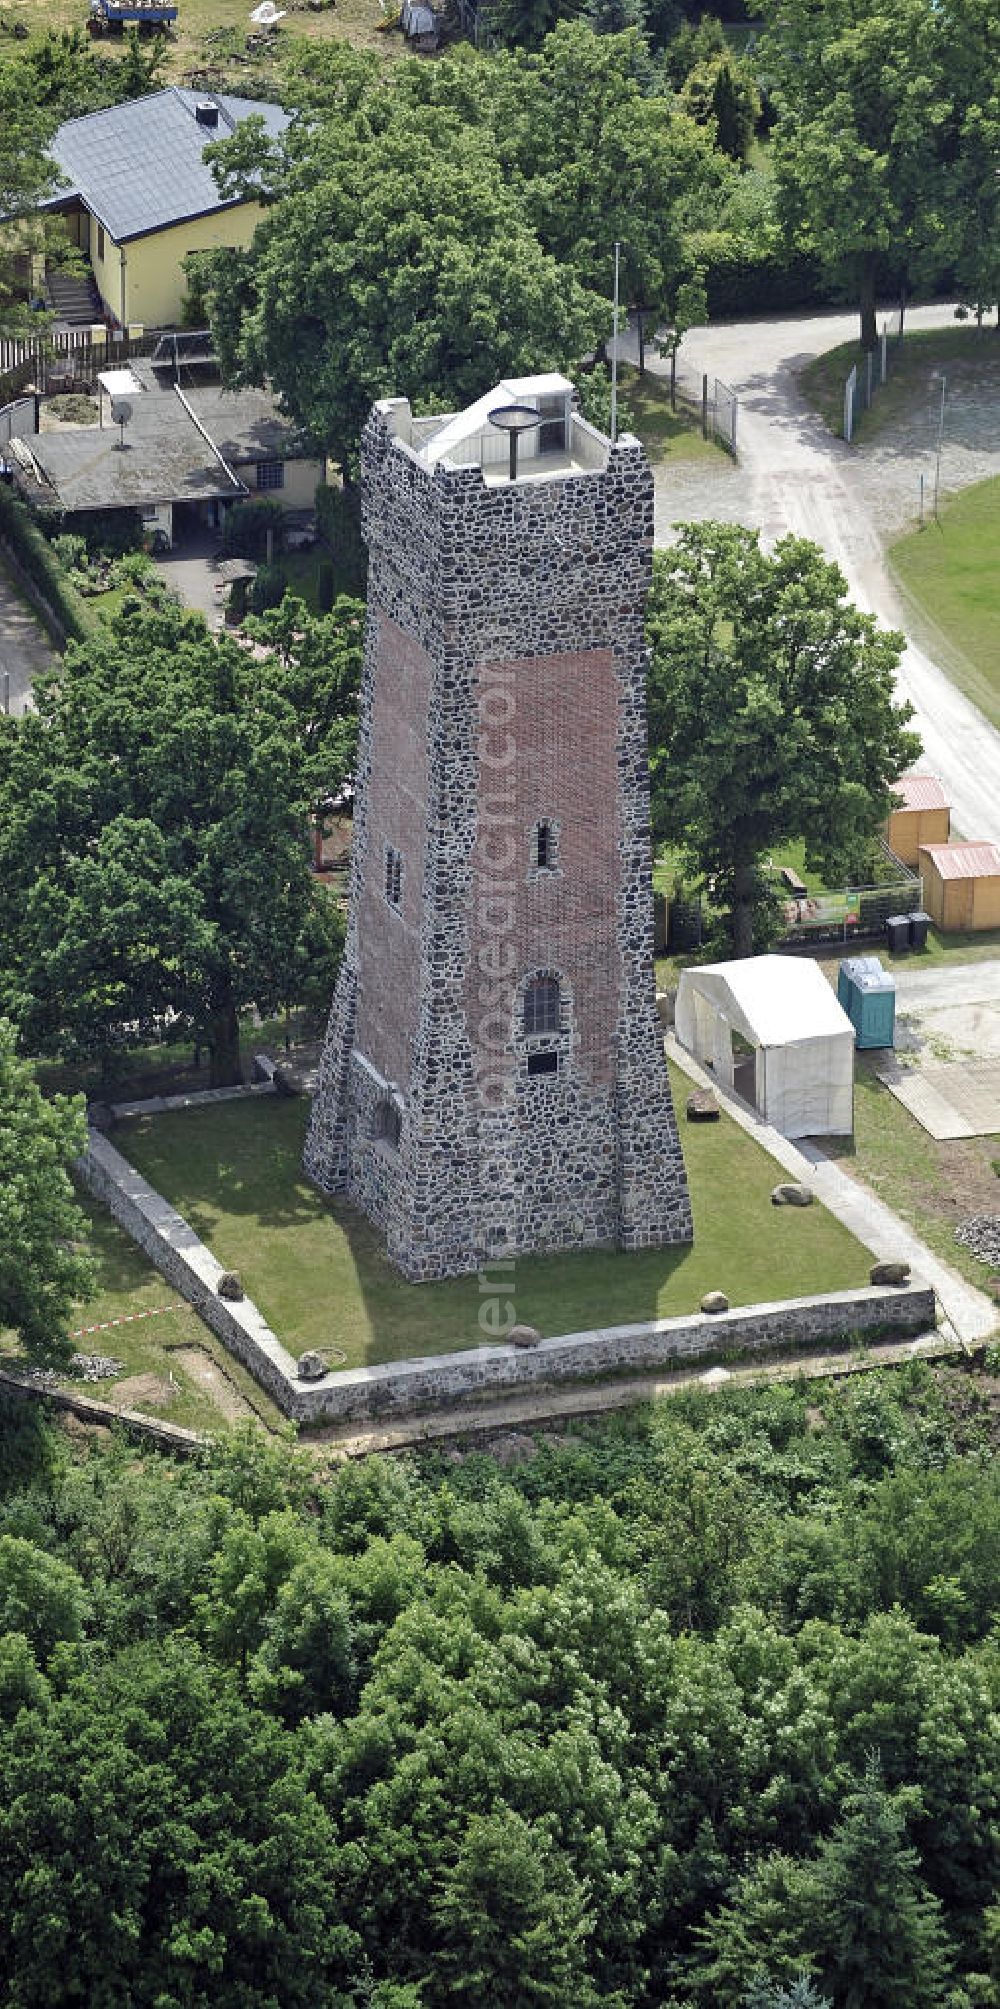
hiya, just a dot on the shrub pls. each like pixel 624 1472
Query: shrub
pixel 325 586
pixel 268 589
pixel 338 520
pixel 41 565
pixel 71 551
pixel 244 533
pixel 108 532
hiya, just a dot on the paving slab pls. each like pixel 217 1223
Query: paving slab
pixel 959 1098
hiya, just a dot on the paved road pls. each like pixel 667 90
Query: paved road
pixel 24 647
pixel 799 478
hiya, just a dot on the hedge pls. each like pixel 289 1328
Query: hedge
pixel 31 548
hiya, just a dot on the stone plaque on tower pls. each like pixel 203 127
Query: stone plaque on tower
pixel 493 1081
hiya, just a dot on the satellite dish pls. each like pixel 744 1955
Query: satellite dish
pixel 121 412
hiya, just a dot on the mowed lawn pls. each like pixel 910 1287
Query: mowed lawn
pixel 319 1274
pixel 950 571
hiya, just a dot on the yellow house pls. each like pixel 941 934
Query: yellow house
pixel 138 195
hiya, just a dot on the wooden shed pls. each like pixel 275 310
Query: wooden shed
pixel 923 816
pixel 961 885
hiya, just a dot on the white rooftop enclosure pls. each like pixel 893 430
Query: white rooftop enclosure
pixel 800 1074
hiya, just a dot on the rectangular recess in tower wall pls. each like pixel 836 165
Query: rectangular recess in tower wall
pixel 389 933
pixel 548 731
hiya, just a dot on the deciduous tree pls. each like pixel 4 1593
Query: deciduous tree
pixel 42 1268
pixel 772 711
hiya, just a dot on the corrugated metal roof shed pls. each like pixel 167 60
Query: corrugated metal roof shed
pixel 139 167
pixel 963 861
pixel 920 791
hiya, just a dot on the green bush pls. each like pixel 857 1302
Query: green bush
pixel 244 533
pixel 71 551
pixel 268 589
pixel 338 520
pixel 28 543
pixel 325 586
pixel 108 533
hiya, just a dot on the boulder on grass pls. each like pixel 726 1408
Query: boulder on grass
pixel 896 1274
pixel 702 1107
pixel 791 1194
pixel 229 1285
pixel 311 1367
pixel 714 1301
pixel 524 1335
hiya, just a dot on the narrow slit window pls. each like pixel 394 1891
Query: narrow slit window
pixel 393 877
pixel 541 1005
pixel 545 847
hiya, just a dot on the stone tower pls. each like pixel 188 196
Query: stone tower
pixel 493 1080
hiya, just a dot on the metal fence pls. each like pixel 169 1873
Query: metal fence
pixel 63 358
pixel 18 420
pixel 830 915
pixel 724 412
pixel 862 384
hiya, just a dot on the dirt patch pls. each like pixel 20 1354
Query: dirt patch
pixel 141 1391
pixel 209 1377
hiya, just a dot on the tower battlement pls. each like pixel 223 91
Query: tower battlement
pixel 493 1079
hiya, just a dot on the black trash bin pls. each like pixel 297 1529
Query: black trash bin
pixel 897 930
pixel 919 924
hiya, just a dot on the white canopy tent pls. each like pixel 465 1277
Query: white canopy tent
pixel 800 1073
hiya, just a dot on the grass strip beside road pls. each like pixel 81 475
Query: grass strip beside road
pixel 948 572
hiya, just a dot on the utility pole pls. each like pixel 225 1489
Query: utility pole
pixel 940 440
pixel 614 355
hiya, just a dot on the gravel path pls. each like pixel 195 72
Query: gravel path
pixel 795 477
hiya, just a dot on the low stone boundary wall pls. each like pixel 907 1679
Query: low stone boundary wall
pixel 148 1429
pixel 403 1386
pixel 406 1385
pixel 194 1098
pixel 174 1247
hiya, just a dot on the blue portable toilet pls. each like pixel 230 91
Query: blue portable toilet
pixel 867 993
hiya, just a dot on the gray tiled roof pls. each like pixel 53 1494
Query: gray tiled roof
pixel 139 166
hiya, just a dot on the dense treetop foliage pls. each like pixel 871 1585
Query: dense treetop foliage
pixel 695 1709
pixel 42 1270
pixel 772 714
pixel 154 857
pixel 366 278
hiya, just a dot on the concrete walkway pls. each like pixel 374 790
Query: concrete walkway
pixel 25 650
pixel 970 1312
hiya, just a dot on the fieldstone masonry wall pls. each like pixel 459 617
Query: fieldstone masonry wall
pixel 504 685
pixel 408 1385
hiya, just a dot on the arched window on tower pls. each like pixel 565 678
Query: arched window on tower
pixel 541 1005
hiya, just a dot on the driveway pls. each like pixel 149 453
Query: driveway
pixel 189 571
pixel 25 650
pixel 795 477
